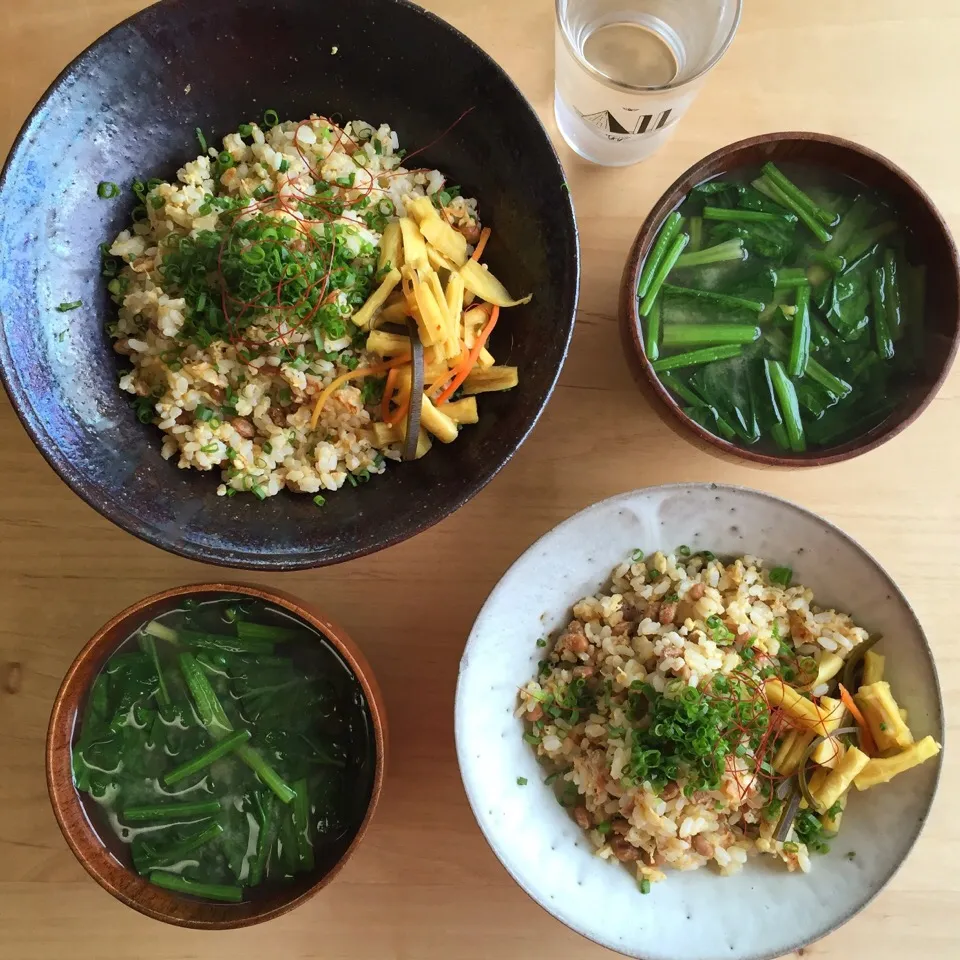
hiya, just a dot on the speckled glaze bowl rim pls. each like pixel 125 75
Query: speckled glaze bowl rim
pixel 679 487
pixel 76 480
pixel 63 794
pixel 631 325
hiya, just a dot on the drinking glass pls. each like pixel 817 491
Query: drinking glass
pixel 627 70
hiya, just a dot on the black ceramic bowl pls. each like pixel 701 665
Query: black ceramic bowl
pixel 128 107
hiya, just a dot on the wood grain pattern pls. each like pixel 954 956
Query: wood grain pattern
pixel 423 885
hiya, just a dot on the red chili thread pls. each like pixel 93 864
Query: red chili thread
pixel 236 310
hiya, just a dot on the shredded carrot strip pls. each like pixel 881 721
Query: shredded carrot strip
pixel 398 414
pixel 869 747
pixel 481 243
pixel 388 389
pixel 463 371
pixel 438 385
pixel 373 371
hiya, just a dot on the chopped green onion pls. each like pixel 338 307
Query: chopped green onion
pixel 107 190
pixel 694 358
pixel 521 781
pixel 271 118
pixel 645 885
pixel 541 642
pixel 781 575
pixel 683 550
pixel 245 130
pixel 202 140
pixel 636 556
pixel 67 307
pixel 284 165
pixel 319 500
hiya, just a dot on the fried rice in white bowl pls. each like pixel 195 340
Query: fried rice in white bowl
pixel 713 730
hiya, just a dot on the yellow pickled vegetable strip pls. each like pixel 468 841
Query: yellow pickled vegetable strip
pixel 485 360
pixel 873 664
pixel 389 246
pixel 376 299
pixel 387 344
pixel 487 381
pixel 454 298
pixel 801 711
pixel 451 243
pixel 487 287
pixel 473 322
pixel 828 667
pixel 422 208
pixel 423 439
pixel 829 751
pixel 884 769
pixel 787 758
pixel 783 751
pixel 462 411
pixel 834 754
pixel 439 262
pixel 840 777
pixel 436 288
pixel 387 433
pixel 431 322
pixel 882 714
pixel 414 249
pixel 439 424
pixel 815 784
pixel 831 825
pixel 424 443
pixel 391 313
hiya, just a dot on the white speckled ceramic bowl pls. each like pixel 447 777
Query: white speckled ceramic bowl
pixel 764 911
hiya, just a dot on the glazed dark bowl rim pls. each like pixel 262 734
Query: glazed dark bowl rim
pixel 630 317
pixel 76 479
pixel 100 864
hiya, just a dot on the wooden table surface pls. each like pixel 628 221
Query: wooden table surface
pixel 424 885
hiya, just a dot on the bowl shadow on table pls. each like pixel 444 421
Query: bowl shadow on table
pixel 930 244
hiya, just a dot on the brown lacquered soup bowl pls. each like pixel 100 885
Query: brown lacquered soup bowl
pixel 930 244
pixel 127 886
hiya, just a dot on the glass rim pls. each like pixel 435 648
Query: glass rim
pixel 663 88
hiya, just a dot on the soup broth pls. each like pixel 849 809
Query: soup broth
pixel 225 748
